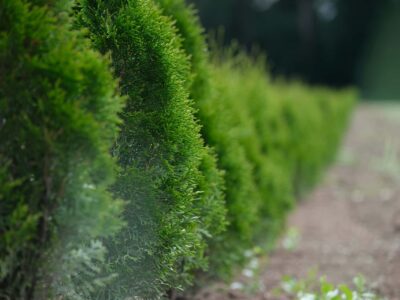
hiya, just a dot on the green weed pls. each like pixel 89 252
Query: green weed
pixel 312 289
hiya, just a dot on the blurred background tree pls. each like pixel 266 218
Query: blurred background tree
pixel 330 42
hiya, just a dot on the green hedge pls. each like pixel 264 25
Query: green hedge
pixel 168 178
pixel 288 132
pixel 272 138
pixel 58 119
pixel 211 152
pixel 240 194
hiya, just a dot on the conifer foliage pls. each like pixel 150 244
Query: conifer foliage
pixel 168 178
pixel 262 133
pixel 136 189
pixel 58 119
pixel 217 121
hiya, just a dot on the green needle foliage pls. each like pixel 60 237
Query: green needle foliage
pixel 218 131
pixel 168 178
pixel 193 43
pixel 211 152
pixel 58 119
pixel 289 132
pixel 272 139
pixel 200 89
pixel 251 175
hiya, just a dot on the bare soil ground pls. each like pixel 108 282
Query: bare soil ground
pixel 350 224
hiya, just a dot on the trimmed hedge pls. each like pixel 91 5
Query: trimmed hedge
pixel 168 178
pixel 288 132
pixel 272 138
pixel 227 248
pixel 58 119
pixel 211 152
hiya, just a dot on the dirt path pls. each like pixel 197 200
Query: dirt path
pixel 350 224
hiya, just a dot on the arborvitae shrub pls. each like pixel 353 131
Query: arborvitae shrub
pixel 272 139
pixel 314 128
pixel 58 119
pixel 231 95
pixel 201 90
pixel 165 178
pixel 289 133
pixel 237 92
pixel 193 42
pixel 226 249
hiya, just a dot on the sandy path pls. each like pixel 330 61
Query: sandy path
pixel 350 224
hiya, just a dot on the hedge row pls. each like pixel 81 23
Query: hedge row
pixel 113 192
pixel 272 138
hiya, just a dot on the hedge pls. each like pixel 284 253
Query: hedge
pixel 272 138
pixel 168 178
pixel 58 119
pixel 209 152
pixel 224 250
pixel 289 134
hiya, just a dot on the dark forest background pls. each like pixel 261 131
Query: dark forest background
pixel 330 42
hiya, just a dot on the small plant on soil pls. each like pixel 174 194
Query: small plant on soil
pixel 308 289
pixel 388 163
pixel 291 239
pixel 251 282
